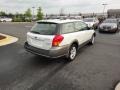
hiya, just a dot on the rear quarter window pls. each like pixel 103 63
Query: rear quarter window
pixel 67 28
pixel 79 26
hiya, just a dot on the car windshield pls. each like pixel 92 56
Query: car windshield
pixel 88 20
pixel 110 21
pixel 44 28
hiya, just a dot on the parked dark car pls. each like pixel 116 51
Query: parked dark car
pixel 109 25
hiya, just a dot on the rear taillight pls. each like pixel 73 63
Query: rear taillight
pixel 57 40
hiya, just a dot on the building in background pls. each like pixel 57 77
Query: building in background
pixel 113 13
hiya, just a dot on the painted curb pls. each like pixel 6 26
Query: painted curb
pixel 8 40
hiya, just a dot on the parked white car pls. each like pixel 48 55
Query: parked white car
pixel 5 19
pixel 91 22
pixel 57 38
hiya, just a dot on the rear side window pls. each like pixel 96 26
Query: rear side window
pixel 67 28
pixel 79 26
pixel 45 28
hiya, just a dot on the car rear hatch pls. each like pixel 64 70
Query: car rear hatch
pixel 42 34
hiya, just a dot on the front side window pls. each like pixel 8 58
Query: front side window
pixel 68 28
pixel 44 28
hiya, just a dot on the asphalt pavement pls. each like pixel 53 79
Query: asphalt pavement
pixel 96 67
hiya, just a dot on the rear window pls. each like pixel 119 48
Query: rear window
pixel 45 28
pixel 110 21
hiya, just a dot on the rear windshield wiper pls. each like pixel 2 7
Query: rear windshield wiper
pixel 35 32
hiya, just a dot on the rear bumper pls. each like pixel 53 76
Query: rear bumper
pixel 54 52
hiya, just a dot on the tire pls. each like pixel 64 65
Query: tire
pixel 72 53
pixel 116 31
pixel 92 40
pixel 100 31
pixel 118 28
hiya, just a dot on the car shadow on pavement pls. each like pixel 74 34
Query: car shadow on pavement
pixel 82 49
pixel 60 62
pixel 29 66
pixel 37 67
pixel 109 33
pixel 55 64
pixel 38 60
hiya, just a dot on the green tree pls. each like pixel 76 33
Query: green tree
pixel 28 14
pixel 10 15
pixel 18 17
pixel 2 13
pixel 39 14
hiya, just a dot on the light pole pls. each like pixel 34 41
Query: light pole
pixel 33 13
pixel 61 11
pixel 104 6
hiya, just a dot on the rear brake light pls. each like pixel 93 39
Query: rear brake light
pixel 57 40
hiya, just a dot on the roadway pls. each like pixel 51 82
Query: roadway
pixel 96 67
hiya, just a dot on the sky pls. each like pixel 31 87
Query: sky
pixel 54 6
